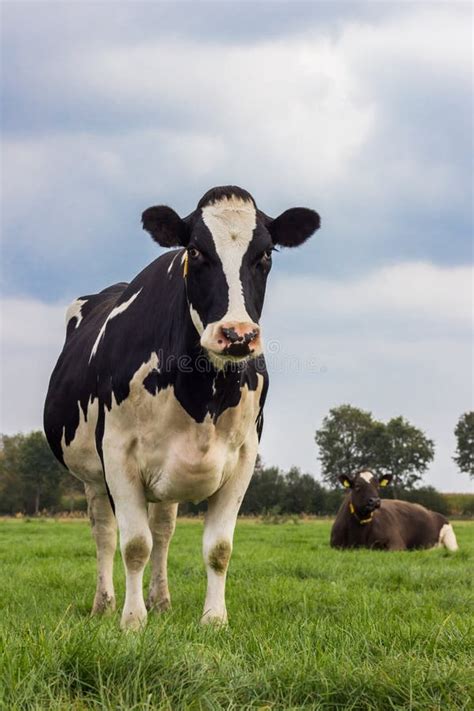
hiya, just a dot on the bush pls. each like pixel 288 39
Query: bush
pixel 460 504
pixel 427 496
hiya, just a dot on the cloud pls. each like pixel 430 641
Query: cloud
pixel 394 342
pixel 32 337
pixel 414 295
pixel 359 115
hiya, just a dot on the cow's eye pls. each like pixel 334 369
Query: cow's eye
pixel 194 253
pixel 266 256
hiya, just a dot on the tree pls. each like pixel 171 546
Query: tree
pixel 404 451
pixel 11 488
pixel 266 491
pixel 303 494
pixel 30 476
pixel 348 440
pixel 464 431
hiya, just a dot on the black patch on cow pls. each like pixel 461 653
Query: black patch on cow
pixel 206 286
pixel 294 226
pixel 151 382
pixel 224 192
pixel 165 226
pixel 255 269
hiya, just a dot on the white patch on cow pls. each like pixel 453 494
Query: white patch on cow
pixel 74 311
pixel 447 538
pixel 115 312
pixel 80 456
pixel 367 476
pixel 174 457
pixel 196 319
pixel 172 262
pixel 231 222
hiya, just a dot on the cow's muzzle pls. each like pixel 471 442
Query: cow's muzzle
pixel 232 340
pixel 372 504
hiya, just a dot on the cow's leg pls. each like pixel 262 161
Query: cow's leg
pixel 104 530
pixel 162 519
pixel 135 535
pixel 221 516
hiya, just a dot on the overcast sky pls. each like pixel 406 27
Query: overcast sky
pixel 360 110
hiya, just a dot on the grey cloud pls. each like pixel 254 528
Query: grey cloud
pixel 357 124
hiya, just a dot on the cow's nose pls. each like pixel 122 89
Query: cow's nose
pixel 374 502
pixel 239 339
pixel 244 333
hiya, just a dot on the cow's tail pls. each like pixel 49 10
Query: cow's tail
pixel 447 538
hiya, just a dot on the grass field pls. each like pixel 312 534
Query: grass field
pixel 309 627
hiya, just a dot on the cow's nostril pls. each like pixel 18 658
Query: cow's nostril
pixel 249 337
pixel 232 335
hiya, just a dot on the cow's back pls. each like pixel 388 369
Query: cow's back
pixel 417 526
pixel 72 386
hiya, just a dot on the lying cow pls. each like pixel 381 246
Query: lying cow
pixel 364 521
pixel 158 394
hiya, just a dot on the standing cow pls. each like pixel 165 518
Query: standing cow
pixel 364 521
pixel 158 394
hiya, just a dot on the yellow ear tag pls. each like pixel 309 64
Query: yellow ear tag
pixel 383 482
pixel 346 484
pixel 185 265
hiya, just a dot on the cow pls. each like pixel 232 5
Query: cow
pixel 157 397
pixel 364 521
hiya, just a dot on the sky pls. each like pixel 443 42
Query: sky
pixel 360 110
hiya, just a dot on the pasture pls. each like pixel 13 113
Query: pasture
pixel 310 627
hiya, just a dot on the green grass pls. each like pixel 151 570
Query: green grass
pixel 309 627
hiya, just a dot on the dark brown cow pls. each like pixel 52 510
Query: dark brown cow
pixel 364 521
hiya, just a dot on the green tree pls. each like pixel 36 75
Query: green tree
pixel 266 490
pixel 348 439
pixel 464 431
pixel 303 494
pixel 11 486
pixel 404 451
pixel 31 478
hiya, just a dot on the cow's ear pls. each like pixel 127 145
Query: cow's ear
pixel 385 479
pixel 345 481
pixel 294 226
pixel 165 226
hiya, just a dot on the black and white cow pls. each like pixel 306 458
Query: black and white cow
pixel 366 521
pixel 157 396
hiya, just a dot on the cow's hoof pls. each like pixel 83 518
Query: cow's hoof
pixel 159 606
pixel 133 621
pixel 104 604
pixel 214 619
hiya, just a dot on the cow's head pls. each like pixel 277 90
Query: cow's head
pixel 364 491
pixel 228 245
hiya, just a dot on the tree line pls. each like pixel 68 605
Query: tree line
pixel 32 481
